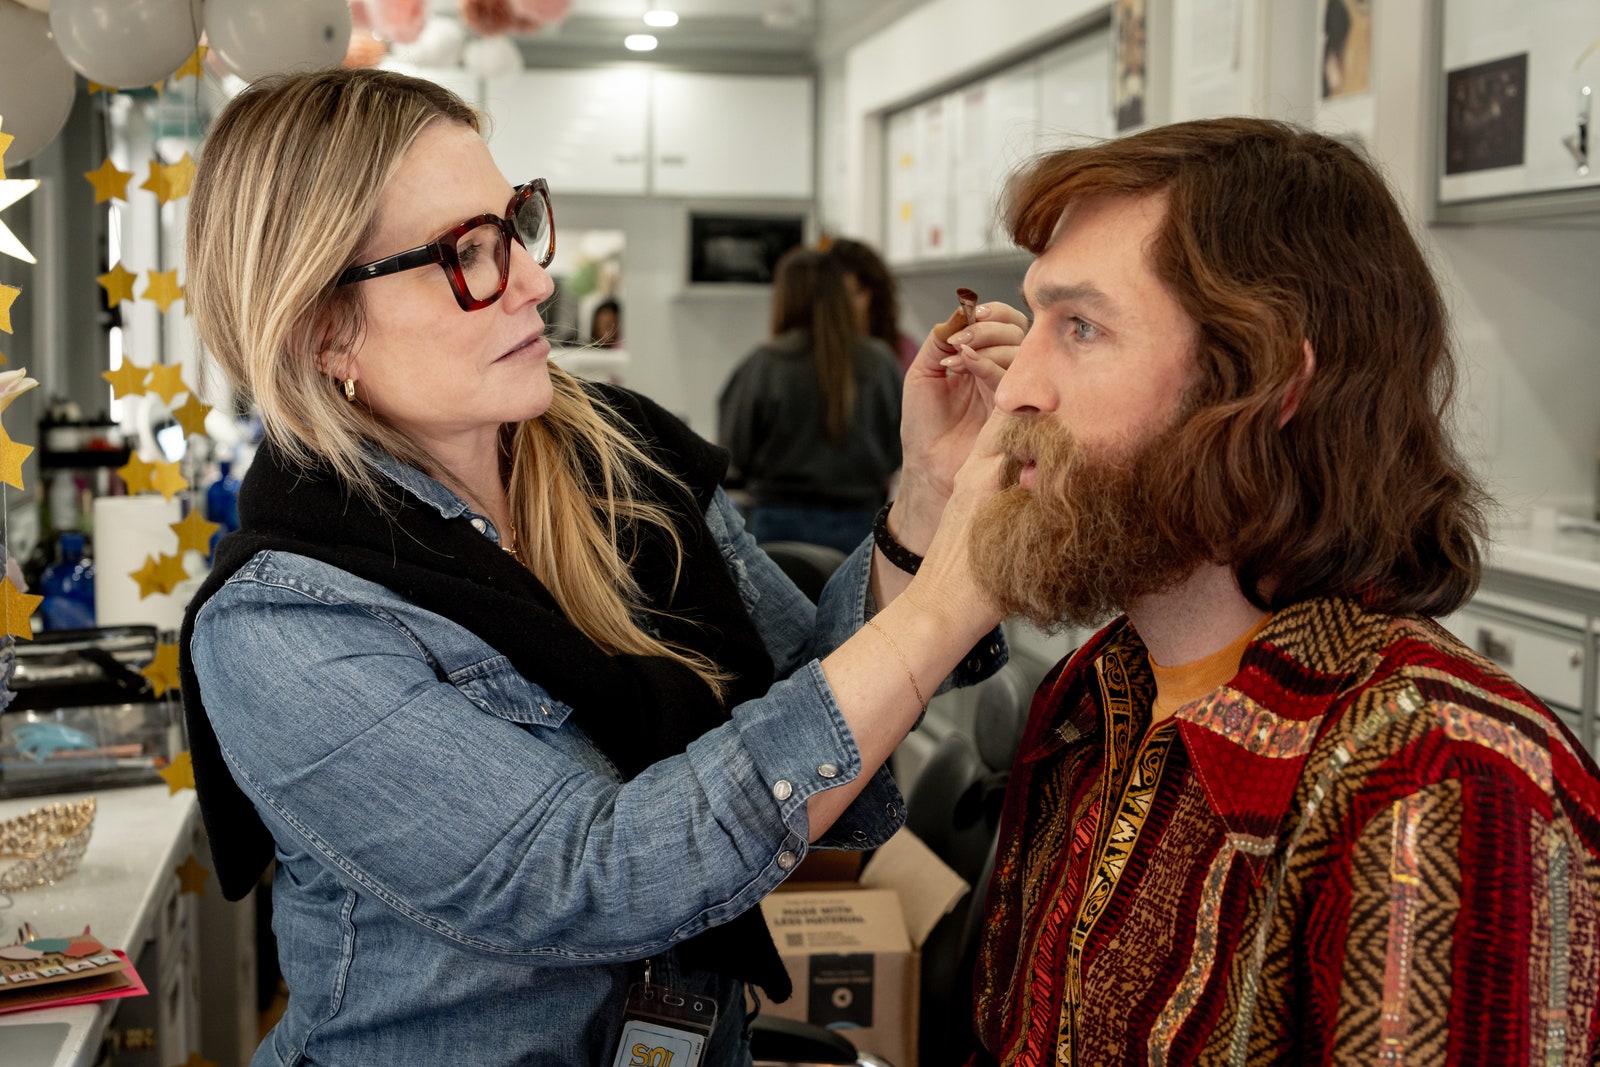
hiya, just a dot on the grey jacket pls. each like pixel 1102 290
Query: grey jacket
pixel 770 416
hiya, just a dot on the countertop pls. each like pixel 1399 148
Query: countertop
pixel 1548 545
pixel 140 837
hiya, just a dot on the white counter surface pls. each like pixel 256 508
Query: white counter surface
pixel 1549 546
pixel 140 837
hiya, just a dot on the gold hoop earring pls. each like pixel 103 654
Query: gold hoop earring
pixel 350 390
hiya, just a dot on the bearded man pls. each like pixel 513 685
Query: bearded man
pixel 1272 813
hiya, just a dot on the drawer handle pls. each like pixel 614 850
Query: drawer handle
pixel 1498 649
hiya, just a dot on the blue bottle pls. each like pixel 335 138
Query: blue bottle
pixel 68 587
pixel 222 503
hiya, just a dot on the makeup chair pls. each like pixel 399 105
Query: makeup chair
pixel 808 566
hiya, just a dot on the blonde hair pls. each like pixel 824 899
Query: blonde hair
pixel 285 197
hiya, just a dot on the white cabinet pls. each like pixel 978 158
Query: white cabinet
pixel 731 135
pixel 1545 649
pixel 1517 108
pixel 584 131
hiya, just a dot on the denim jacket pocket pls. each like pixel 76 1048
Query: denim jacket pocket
pixel 495 686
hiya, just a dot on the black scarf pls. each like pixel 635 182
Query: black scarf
pixel 635 709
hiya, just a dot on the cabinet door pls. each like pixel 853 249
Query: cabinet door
pixel 731 135
pixel 581 130
pixel 1511 92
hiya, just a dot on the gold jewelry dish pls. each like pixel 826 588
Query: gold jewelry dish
pixel 48 842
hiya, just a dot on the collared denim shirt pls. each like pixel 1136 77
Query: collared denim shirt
pixel 462 876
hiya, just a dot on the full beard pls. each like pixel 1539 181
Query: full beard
pixel 1085 541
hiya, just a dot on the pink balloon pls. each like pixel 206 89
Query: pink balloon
pixel 545 11
pixel 399 21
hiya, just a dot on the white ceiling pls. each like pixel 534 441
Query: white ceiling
pixel 730 31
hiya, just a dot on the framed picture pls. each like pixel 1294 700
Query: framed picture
pixel 1128 36
pixel 1486 115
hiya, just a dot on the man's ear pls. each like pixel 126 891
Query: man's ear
pixel 1297 388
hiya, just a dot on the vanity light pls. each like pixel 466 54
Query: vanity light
pixel 639 42
pixel 660 18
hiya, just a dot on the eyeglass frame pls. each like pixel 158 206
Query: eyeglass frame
pixel 442 249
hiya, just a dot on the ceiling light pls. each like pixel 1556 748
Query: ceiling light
pixel 660 18
pixel 639 42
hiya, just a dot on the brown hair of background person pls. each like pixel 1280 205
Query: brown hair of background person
pixel 808 294
pixel 1361 493
pixel 872 274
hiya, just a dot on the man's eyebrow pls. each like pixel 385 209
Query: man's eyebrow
pixel 1083 293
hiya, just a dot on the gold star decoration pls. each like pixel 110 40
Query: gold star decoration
pixel 168 481
pixel 163 675
pixel 170 571
pixel 18 608
pixel 118 284
pixel 136 473
pixel 96 87
pixel 194 533
pixel 5 143
pixel 8 294
pixel 192 66
pixel 180 772
pixel 12 190
pixel 148 577
pixel 191 415
pixel 163 288
pixel 11 456
pixel 108 181
pixel 166 380
pixel 127 380
pixel 170 181
pixel 191 879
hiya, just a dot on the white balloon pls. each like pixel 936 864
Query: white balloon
pixel 438 45
pixel 126 43
pixel 491 57
pixel 37 5
pixel 256 38
pixel 36 85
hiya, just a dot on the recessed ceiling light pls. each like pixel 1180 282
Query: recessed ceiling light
pixel 639 42
pixel 660 18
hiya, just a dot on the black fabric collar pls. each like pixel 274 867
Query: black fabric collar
pixel 635 709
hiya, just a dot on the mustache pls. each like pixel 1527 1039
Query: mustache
pixel 1045 443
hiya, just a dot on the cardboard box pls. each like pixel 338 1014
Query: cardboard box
pixel 853 948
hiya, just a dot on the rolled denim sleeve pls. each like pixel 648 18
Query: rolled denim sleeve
pixel 795 632
pixel 463 799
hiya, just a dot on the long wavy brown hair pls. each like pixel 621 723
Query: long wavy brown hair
pixel 1275 236
pixel 809 297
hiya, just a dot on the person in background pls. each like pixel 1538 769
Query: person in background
pixel 875 295
pixel 491 667
pixel 811 418
pixel 1272 813
pixel 605 325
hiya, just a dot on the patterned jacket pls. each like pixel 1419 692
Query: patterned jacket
pixel 1370 847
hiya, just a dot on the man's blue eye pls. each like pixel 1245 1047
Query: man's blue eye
pixel 1082 330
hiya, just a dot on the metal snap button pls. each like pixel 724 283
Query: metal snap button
pixel 828 770
pixel 786 859
pixel 480 525
pixel 782 789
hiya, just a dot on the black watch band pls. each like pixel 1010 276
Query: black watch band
pixel 893 550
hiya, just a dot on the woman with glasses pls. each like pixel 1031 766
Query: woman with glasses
pixel 491 668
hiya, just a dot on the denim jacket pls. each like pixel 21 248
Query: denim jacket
pixel 462 877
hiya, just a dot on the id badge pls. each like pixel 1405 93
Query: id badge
pixel 662 1027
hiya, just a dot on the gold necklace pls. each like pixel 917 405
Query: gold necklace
pixel 511 544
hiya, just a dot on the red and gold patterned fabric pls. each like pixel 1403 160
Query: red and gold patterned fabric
pixel 1371 847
